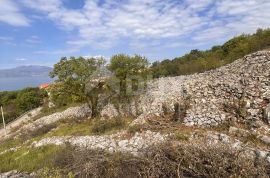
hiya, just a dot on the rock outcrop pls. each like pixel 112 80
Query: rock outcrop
pixel 112 143
pixel 240 89
pixel 73 112
pixel 14 174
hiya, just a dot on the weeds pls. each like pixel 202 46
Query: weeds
pixel 167 160
pixel 104 126
pixel 181 136
pixel 27 159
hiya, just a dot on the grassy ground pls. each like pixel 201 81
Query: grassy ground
pixel 90 127
pixel 31 159
pixel 11 143
pixel 26 159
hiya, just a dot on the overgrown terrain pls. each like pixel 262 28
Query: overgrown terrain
pixel 180 156
pixel 214 124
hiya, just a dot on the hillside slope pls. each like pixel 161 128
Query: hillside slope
pixel 204 99
pixel 214 124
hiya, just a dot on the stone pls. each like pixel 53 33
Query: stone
pixel 208 92
pixel 265 139
pixel 224 138
pixel 73 112
pixel 261 154
pixel 111 143
pixel 14 174
pixel 109 111
pixel 268 159
pixel 248 104
pixel 267 114
pixel 237 145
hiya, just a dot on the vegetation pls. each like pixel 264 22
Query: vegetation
pixel 200 61
pixel 10 143
pixel 17 102
pixel 87 80
pixel 105 126
pixel 77 76
pixel 29 160
pixel 89 127
pixel 78 81
pixel 168 160
pixel 73 75
pixel 129 70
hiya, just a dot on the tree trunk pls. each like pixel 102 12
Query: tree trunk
pixel 94 108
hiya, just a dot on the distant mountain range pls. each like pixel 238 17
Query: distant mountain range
pixel 26 71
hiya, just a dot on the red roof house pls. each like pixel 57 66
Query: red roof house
pixel 44 86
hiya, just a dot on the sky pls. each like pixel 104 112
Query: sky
pixel 40 32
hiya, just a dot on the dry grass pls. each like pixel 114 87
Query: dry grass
pixel 168 160
pixel 37 132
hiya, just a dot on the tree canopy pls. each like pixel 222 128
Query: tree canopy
pixel 72 76
pixel 129 69
pixel 17 102
pixel 199 61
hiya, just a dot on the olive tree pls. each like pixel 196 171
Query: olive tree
pixel 74 74
pixel 129 70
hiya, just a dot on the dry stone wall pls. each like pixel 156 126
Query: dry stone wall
pixel 207 95
pixel 111 143
pixel 73 112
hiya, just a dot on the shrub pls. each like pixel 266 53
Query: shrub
pixel 167 160
pixel 39 131
pixel 135 128
pixel 17 102
pixel 103 126
pixel 181 136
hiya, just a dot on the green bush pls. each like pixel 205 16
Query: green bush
pixel 18 102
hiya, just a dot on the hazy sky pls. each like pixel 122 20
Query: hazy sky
pixel 39 32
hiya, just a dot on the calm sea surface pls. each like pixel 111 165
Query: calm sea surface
pixel 10 83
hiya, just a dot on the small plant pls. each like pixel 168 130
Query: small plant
pixel 104 126
pixel 237 108
pixel 49 173
pixel 133 129
pixel 39 131
pixel 181 136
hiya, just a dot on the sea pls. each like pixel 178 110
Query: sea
pixel 18 83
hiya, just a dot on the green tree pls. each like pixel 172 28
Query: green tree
pixel 128 69
pixel 30 98
pixel 18 102
pixel 74 75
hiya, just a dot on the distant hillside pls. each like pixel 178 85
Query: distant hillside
pixel 26 71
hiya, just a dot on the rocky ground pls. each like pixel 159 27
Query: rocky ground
pixel 112 143
pixel 229 105
pixel 205 97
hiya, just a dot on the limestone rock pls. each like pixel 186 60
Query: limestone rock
pixel 265 139
pixel 267 114
pixel 244 83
